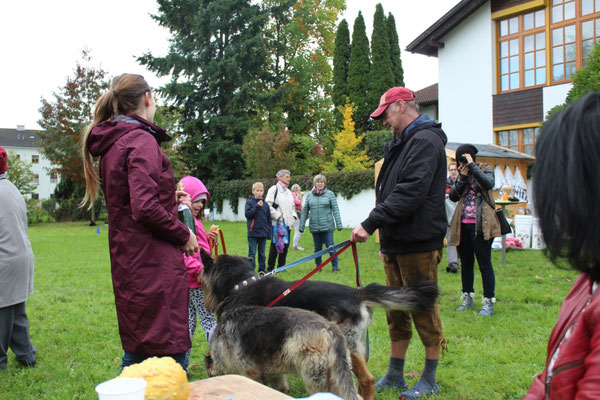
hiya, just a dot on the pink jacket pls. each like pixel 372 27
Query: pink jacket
pixel 577 368
pixel 194 187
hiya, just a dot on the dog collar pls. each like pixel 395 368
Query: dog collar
pixel 249 281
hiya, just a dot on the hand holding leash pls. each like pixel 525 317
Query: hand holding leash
pixel 359 235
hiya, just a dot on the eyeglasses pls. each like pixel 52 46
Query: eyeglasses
pixel 453 169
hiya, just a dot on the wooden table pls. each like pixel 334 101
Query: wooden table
pixel 504 204
pixel 236 387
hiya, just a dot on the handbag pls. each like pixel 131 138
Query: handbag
pixel 504 225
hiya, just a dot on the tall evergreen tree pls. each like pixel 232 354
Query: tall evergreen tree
pixel 358 73
pixel 395 51
pixel 217 55
pixel 381 77
pixel 341 59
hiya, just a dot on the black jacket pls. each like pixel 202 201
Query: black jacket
pixel 410 191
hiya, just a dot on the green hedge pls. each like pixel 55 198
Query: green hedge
pixel 347 184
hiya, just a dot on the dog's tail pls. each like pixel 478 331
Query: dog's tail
pixel 341 370
pixel 416 297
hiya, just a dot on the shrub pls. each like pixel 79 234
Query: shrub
pixel 346 184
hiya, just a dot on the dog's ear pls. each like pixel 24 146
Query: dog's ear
pixel 207 259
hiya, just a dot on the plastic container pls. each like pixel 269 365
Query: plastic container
pixel 122 389
pixel 523 227
pixel 537 239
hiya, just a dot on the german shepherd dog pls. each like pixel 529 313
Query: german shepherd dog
pixel 350 308
pixel 266 343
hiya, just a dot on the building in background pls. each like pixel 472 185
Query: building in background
pixel 504 63
pixel 427 99
pixel 24 143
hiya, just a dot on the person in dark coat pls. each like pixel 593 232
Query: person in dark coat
pixel 258 223
pixel 411 219
pixel 146 238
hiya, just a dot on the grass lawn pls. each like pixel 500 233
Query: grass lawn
pixel 74 325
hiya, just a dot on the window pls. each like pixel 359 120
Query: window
pixel 36 179
pixel 18 156
pixel 35 196
pixel 35 159
pixel 522 51
pixel 53 177
pixel 574 31
pixel 522 140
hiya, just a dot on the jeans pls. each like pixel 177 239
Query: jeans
pixel 451 253
pixel 472 246
pixel 135 358
pixel 324 238
pixel 253 242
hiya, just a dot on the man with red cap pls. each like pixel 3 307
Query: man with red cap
pixel 411 219
pixel 16 272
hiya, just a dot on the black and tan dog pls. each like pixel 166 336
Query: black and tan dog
pixel 266 343
pixel 350 308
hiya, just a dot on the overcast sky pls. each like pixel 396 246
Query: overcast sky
pixel 42 40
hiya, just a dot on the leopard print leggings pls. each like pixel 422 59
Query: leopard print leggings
pixel 197 307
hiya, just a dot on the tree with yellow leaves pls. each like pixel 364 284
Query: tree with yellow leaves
pixel 347 156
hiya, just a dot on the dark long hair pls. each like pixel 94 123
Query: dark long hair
pixel 566 185
pixel 124 96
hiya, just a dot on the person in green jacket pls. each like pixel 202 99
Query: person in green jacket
pixel 323 214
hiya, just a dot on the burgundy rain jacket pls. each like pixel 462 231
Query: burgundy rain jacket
pixel 149 276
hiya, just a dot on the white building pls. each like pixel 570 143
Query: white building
pixel 504 63
pixel 24 143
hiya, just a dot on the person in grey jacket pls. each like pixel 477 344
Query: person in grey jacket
pixel 16 272
pixel 321 209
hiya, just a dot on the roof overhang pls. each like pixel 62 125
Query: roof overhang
pixel 429 41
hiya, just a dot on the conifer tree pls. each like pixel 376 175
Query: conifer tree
pixel 341 59
pixel 347 154
pixel 395 51
pixel 381 77
pixel 358 73
pixel 217 55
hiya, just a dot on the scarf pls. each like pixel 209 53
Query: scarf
pixel 283 185
pixel 318 192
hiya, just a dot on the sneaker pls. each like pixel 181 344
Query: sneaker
pixel 298 248
pixel 467 301
pixel 452 268
pixel 487 306
pixel 419 390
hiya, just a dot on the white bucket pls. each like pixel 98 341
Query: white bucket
pixel 523 225
pixel 537 239
pixel 122 389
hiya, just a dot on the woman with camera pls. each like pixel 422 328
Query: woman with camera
pixel 474 226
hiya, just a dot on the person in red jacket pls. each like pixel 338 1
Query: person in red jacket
pixel 199 196
pixel 568 147
pixel 146 238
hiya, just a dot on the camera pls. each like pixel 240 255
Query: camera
pixel 462 159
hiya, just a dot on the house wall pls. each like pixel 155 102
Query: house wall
pixel 465 88
pixel 430 111
pixel 45 188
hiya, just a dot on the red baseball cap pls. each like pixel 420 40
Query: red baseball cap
pixel 391 96
pixel 3 160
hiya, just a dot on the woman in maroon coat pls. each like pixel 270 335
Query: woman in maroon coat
pixel 145 236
